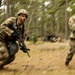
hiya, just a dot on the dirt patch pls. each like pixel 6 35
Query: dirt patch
pixel 46 59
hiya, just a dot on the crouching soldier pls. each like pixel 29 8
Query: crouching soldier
pixel 8 44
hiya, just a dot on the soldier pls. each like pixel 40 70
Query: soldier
pixel 72 40
pixel 8 44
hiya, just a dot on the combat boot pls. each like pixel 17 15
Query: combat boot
pixel 66 63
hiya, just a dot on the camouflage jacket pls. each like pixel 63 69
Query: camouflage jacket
pixel 6 31
pixel 72 26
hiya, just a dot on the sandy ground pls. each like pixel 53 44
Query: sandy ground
pixel 46 59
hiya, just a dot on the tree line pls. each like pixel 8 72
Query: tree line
pixel 46 17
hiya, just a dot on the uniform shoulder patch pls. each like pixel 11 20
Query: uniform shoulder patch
pixel 9 20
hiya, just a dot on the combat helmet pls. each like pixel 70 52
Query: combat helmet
pixel 23 11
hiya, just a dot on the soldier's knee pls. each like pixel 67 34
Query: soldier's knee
pixel 10 59
pixel 12 47
pixel 3 54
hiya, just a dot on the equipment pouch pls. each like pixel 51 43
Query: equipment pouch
pixel 12 48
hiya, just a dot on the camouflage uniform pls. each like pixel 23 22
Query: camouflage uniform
pixel 5 32
pixel 8 44
pixel 72 40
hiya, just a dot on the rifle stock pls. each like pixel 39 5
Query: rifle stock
pixel 23 45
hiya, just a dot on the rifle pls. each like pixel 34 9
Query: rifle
pixel 23 44
pixel 14 28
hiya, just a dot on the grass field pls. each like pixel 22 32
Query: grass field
pixel 46 59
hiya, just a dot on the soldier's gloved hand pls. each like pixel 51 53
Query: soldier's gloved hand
pixel 27 49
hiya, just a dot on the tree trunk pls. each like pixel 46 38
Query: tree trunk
pixel 7 9
pixel 66 20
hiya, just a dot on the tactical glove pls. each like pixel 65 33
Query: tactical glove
pixel 27 49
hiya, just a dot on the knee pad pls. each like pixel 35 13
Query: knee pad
pixel 12 48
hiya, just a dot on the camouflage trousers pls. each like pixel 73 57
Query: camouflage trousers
pixel 4 55
pixel 71 50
